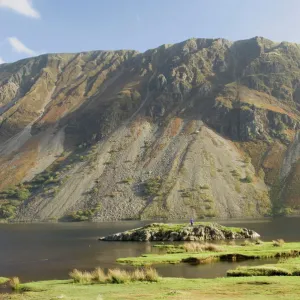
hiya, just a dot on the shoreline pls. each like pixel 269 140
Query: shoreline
pixel 242 288
pixel 122 283
pixel 217 220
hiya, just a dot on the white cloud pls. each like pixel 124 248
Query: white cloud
pixel 19 47
pixel 2 61
pixel 23 7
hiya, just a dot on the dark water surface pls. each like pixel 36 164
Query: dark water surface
pixel 50 251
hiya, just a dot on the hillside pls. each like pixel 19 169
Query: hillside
pixel 203 128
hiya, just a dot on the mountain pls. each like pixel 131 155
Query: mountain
pixel 203 128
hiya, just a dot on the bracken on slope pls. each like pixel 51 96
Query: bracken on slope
pixel 203 128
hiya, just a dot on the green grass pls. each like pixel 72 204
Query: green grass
pixel 152 186
pixel 165 227
pixel 11 199
pixel 162 246
pixel 3 280
pixel 83 215
pixel 230 252
pixel 15 284
pixel 285 267
pixel 247 288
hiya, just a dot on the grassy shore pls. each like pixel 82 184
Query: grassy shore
pixel 3 280
pixel 285 267
pixel 283 288
pixel 227 252
pixel 146 284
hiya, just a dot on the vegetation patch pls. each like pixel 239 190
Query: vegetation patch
pixel 291 191
pixel 242 288
pixel 285 267
pixel 235 173
pixel 278 243
pixel 3 280
pixel 204 187
pixel 117 276
pixel 152 186
pixel 83 215
pixel 247 179
pixel 11 199
pixel 127 180
pixel 199 247
pixel 202 254
pixel 15 284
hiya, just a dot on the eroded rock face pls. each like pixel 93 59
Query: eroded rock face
pixel 165 232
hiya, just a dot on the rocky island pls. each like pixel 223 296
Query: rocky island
pixel 182 232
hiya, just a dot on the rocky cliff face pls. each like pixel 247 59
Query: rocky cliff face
pixel 202 128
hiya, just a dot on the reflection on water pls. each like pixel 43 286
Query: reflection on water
pixel 50 251
pixel 212 270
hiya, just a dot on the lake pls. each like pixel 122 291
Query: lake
pixel 51 250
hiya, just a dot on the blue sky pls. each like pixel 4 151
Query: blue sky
pixel 32 27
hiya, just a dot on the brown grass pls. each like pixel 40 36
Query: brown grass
pixel 99 275
pixel 273 162
pixel 117 276
pixel 192 247
pixel 258 242
pixel 198 247
pixel 137 126
pixel 212 248
pixel 15 283
pixel 15 167
pixel 138 275
pixel 274 156
pixel 291 193
pixel 81 277
pixel 54 113
pixel 150 275
pixel 264 101
pixel 246 243
pixel 174 126
pixel 278 243
pixel 290 133
pixel 254 149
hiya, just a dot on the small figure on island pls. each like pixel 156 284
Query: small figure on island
pixel 192 222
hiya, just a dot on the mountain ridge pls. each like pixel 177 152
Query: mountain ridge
pixel 108 135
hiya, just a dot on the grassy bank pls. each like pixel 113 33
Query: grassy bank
pixel 145 284
pixel 115 276
pixel 285 267
pixel 3 280
pixel 225 252
pixel 283 288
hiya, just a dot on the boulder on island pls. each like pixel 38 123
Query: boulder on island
pixel 182 232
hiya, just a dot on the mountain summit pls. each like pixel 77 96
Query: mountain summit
pixel 203 128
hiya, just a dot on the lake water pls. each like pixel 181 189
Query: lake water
pixel 51 251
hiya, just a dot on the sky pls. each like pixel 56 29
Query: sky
pixel 33 27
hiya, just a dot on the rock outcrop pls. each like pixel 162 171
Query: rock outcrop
pixel 180 232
